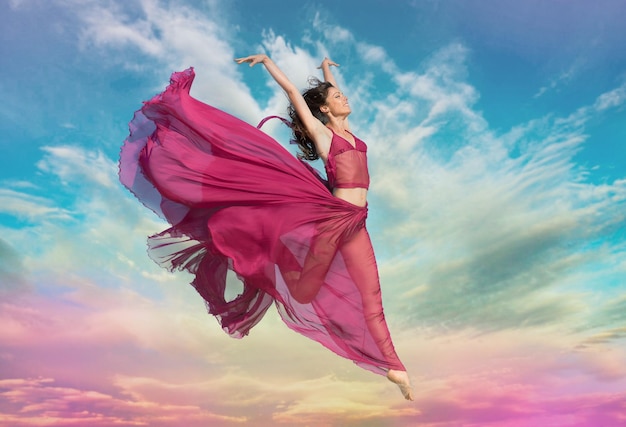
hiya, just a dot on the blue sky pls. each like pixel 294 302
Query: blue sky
pixel 497 152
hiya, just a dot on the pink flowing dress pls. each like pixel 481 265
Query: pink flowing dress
pixel 236 199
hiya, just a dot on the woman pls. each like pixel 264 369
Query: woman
pixel 237 200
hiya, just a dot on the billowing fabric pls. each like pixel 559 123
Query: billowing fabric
pixel 346 166
pixel 237 200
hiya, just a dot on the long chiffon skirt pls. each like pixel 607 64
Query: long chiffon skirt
pixel 236 199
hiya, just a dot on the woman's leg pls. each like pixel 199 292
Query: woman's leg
pixel 304 282
pixel 358 255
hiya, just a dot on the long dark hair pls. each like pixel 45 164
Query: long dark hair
pixel 315 97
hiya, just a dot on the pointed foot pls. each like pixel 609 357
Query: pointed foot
pixel 401 379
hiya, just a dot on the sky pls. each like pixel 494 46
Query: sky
pixel 497 146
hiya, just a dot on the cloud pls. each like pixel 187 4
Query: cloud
pixel 42 402
pixel 612 99
pixel 104 27
pixel 30 207
pixel 272 400
pixel 495 225
pixel 69 163
pixel 608 321
pixel 152 382
pixel 562 79
pixel 330 32
pixel 154 39
pixel 295 62
pixel 12 274
pixel 151 362
pixel 89 212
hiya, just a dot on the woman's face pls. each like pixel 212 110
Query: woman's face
pixel 336 103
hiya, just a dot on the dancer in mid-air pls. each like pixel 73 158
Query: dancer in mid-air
pixel 236 199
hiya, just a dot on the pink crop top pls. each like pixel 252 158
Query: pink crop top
pixel 346 166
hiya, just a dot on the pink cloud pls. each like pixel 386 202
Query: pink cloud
pixel 40 402
pixel 111 357
pixel 43 402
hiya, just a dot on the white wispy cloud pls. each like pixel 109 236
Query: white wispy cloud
pixel 69 163
pixel 108 24
pixel 562 79
pixel 174 36
pixel 30 207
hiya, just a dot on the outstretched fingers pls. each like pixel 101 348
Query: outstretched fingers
pixel 252 59
pixel 329 62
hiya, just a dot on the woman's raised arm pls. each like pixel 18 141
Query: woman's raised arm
pixel 316 129
pixel 328 74
pixel 330 78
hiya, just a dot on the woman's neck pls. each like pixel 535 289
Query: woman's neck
pixel 337 125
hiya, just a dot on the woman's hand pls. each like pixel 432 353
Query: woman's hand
pixel 314 127
pixel 253 59
pixel 328 62
pixel 328 74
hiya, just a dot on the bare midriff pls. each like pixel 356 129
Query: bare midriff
pixel 356 196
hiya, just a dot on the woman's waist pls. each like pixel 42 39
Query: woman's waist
pixel 356 196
